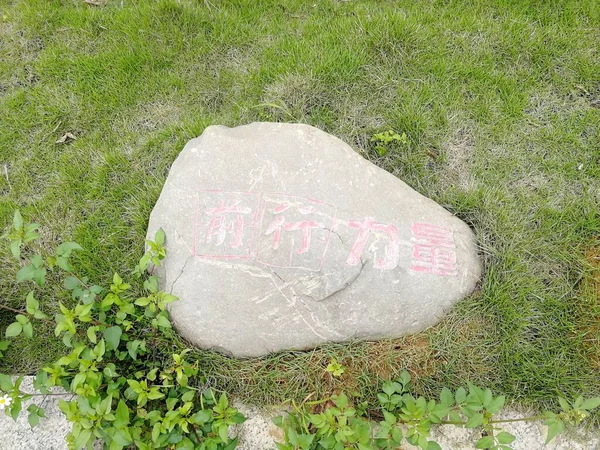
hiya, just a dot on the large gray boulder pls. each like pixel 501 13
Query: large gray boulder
pixel 280 236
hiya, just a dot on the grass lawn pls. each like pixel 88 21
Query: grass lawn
pixel 500 102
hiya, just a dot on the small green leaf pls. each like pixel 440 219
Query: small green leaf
pixel 188 396
pixel 40 315
pixel 51 260
pixel 121 415
pixel 341 400
pixel 278 421
pixel 505 438
pixel 224 432
pixel 117 280
pixel 388 388
pixel 33 419
pixel 66 248
pixel 155 394
pixel 455 417
pixel 203 416
pixel 555 427
pixel 41 381
pixel 15 248
pixel 431 445
pixel 16 408
pixel 40 277
pixel 446 397
pixel 25 273
pixel 384 399
pixel 132 348
pixel 163 322
pixel 404 377
pixel 113 337
pixel 28 330
pixel 156 432
pixel 71 283
pixel 17 221
pixel 238 418
pixel 143 264
pixel 5 382
pixel 135 385
pixel 152 374
pixel 151 284
pixel 485 442
pixel 389 417
pixel 78 380
pixel 590 403
pixel 159 237
pixel 142 301
pixel 32 303
pixel 31 236
pixel 63 263
pixel 475 420
pixel 170 298
pixel 91 334
pixel 564 404
pixel 82 438
pixel 487 398
pixel 496 404
pixel 22 319
pixel 110 370
pixel 30 233
pixel 14 329
pixel 461 395
pixel 37 261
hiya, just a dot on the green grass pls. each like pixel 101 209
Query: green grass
pixel 500 104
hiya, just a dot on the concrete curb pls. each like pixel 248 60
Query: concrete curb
pixel 259 432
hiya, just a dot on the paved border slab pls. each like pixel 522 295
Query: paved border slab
pixel 259 432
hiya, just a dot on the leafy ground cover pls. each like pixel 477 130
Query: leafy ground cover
pixel 499 104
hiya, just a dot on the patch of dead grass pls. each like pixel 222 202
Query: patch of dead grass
pixel 293 96
pixel 459 152
pixel 156 115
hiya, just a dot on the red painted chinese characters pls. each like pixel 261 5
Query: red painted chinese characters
pixel 288 231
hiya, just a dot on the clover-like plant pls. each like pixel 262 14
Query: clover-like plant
pixel 127 394
pixel 335 368
pixel 384 140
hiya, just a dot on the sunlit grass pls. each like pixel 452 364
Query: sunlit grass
pixel 499 104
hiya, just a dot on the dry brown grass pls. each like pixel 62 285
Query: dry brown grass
pixel 460 154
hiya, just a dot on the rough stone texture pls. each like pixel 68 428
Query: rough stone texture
pixel 259 433
pixel 280 236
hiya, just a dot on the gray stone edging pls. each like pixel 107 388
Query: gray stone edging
pixel 259 433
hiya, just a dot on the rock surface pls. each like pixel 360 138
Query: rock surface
pixel 280 236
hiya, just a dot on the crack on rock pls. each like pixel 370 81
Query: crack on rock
pixel 180 273
pixel 346 284
pixel 334 232
pixel 277 275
